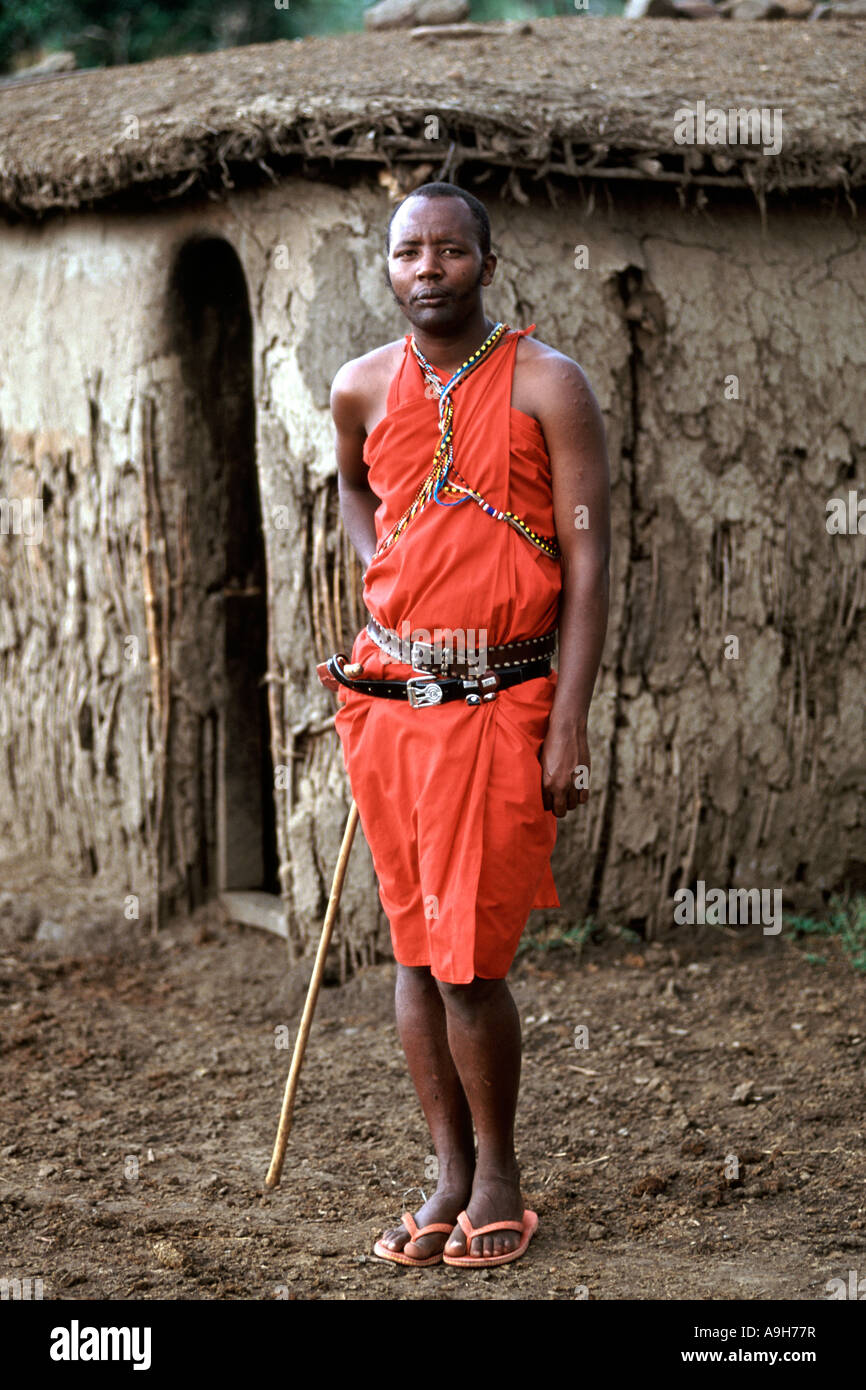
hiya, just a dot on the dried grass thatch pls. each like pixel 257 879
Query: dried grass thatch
pixel 578 98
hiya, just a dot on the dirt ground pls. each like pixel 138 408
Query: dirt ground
pixel 142 1082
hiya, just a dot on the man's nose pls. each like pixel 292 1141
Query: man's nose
pixel 428 264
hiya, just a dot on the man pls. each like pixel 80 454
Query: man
pixel 480 509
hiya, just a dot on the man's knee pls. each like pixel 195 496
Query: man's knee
pixel 413 972
pixel 478 991
pixel 414 980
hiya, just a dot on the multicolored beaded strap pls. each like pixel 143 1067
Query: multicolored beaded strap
pixel 443 459
pixel 547 544
pixel 445 448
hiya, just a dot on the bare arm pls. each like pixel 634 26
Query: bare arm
pixel 574 431
pixel 358 502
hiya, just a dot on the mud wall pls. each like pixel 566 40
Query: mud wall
pixel 728 725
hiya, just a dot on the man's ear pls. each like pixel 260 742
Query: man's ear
pixel 387 278
pixel 488 269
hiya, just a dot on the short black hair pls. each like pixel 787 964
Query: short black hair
pixel 449 190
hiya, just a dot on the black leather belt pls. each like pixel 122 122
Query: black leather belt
pixel 424 691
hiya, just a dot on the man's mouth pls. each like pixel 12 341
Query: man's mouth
pixel 431 297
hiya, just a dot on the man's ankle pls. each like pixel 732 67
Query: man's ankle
pixel 506 1170
pixel 455 1178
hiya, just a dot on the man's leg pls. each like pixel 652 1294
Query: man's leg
pixel 422 1031
pixel 484 1038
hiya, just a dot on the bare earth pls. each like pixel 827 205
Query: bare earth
pixel 142 1085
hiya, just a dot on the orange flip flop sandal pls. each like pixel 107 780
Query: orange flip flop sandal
pixel 527 1227
pixel 397 1255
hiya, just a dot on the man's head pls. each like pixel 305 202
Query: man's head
pixel 439 256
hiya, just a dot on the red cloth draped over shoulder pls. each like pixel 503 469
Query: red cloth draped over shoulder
pixel 449 796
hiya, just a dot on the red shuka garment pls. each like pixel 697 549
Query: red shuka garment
pixel 449 796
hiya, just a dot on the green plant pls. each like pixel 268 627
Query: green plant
pixel 104 32
pixel 845 923
pixel 573 937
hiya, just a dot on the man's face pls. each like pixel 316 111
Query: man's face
pixel 435 263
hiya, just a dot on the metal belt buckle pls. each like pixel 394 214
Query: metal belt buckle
pixel 430 693
pixel 421 656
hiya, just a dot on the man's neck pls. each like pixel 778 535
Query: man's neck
pixel 449 352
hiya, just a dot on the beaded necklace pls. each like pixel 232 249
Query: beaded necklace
pixel 443 459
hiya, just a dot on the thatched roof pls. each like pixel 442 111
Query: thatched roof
pixel 575 98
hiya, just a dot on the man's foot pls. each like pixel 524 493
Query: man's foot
pixel 496 1198
pixel 442 1206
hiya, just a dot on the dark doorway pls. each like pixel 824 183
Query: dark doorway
pixel 222 642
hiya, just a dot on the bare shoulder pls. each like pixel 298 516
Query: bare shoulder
pixel 556 391
pixel 359 383
pixel 545 373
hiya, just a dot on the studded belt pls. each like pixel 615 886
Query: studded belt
pixel 435 657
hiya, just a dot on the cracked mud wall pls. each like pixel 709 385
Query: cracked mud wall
pixel 745 420
pixel 745 771
pixel 73 769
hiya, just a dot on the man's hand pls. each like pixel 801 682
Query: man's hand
pixel 565 765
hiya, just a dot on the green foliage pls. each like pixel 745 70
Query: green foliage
pixel 844 926
pixel 103 32
pixel 574 938
pixel 845 923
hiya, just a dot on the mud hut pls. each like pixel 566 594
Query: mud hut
pixel 191 247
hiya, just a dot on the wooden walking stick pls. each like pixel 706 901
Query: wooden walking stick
pixel 276 1168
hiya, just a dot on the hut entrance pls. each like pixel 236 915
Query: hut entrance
pixel 221 772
